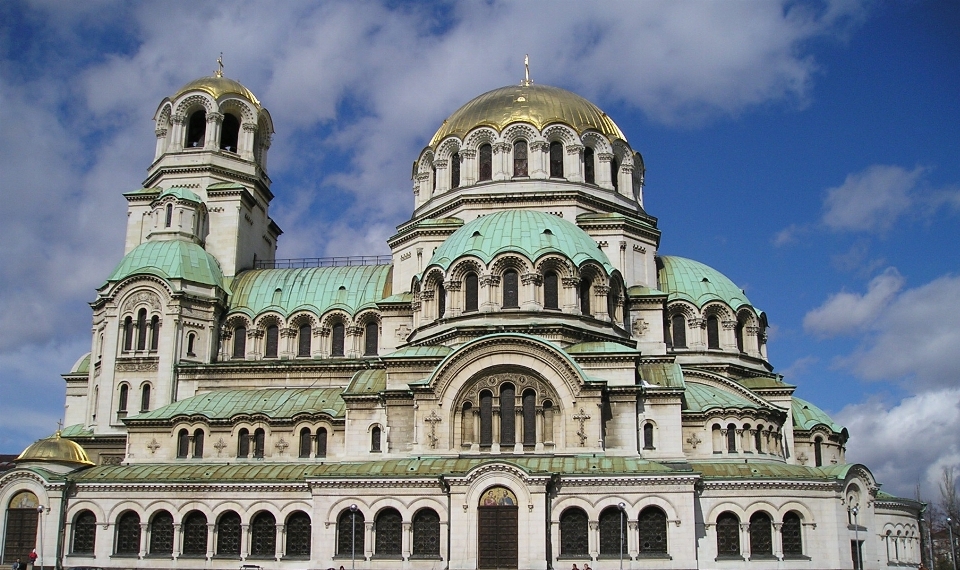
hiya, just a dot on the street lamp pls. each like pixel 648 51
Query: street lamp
pixel 623 514
pixel 353 536
pixel 953 557
pixel 39 561
pixel 856 530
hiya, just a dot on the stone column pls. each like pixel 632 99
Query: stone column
pixel 367 540
pixel 538 159
pixel 573 163
pixel 244 541
pixel 406 539
pixel 778 540
pixel 211 539
pixel 144 528
pixel 633 539
pixel 211 138
pixel 501 155
pixel 530 290
pixel 745 540
pixel 177 540
pixel 468 170
pixel 593 539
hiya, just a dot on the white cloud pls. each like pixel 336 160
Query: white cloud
pixel 848 312
pixel 872 199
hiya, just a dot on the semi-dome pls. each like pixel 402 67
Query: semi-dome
pixel 692 281
pixel 539 105
pixel 218 86
pixel 531 233
pixel 170 259
pixel 55 449
pixel 181 194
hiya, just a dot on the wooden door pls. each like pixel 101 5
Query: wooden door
pixel 497 537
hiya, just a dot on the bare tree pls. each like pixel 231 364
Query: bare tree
pixel 949 508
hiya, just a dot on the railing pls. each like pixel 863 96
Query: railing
pixel 302 262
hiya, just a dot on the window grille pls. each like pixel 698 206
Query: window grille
pixel 510 293
pixel 239 342
pixel 574 539
pixel 128 534
pixel 389 533
pixel 84 533
pixel 263 536
pixel 426 533
pixel 508 417
pixel 520 158
pixel 556 160
pixel 613 532
pixel 551 291
pixel 303 341
pixel 728 535
pixel 298 534
pixel 472 292
pixel 761 535
pixel 195 534
pixel 455 170
pixel 336 348
pixel 486 162
pixel 350 533
pixel 273 340
pixel 161 534
pixel 589 175
pixel 652 524
pixel 792 537
pixel 228 535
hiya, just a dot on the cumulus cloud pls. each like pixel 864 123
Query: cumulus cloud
pixel 849 312
pixel 870 200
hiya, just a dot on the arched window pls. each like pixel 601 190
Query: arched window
pixel 508 415
pixel 122 401
pixel 441 300
pixel 228 534
pixel 792 538
pixel 303 340
pixel 168 215
pixel 197 129
pixel 472 292
pixel 758 439
pixel 298 533
pixel 161 534
pixel 738 333
pixel 589 175
pixel 426 534
pixel 615 172
pixel 195 534
pixel 551 290
pixel 155 335
pixel 263 536
pixel 371 342
pixel 375 439
pixel 258 443
pixel 229 133
pixel 648 436
pixel 306 442
pixel 455 170
pixel 336 348
pixel 198 443
pixel 731 438
pixel 652 524
pixel 183 444
pixel 239 342
pixel 486 418
pixel 529 417
pixel 388 530
pixel 191 338
pixel 574 538
pixel 350 533
pixel 128 333
pixel 713 332
pixel 818 451
pixel 84 533
pixel 556 159
pixel 142 329
pixel 585 297
pixel 243 443
pixel 520 158
pixel 128 534
pixel 761 535
pixel 678 325
pixel 511 297
pixel 321 442
pixel 486 162
pixel 613 532
pixel 728 535
pixel 273 341
pixel 466 423
pixel 547 421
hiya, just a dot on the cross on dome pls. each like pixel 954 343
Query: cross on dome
pixel 219 71
pixel 526 71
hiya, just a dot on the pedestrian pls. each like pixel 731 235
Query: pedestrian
pixel 574 566
pixel 33 558
pixel 17 565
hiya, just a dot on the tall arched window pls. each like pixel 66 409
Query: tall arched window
pixel 263 536
pixel 370 338
pixel 350 533
pixel 258 442
pixel 652 524
pixel 508 414
pixel 228 534
pixel 303 340
pixel 161 534
pixel 243 443
pixel 321 442
pixel 84 533
pixel 529 417
pixel 761 535
pixel 615 172
pixel 678 326
pixel 728 535
pixel 128 333
pixel 183 444
pixel 520 158
pixel 455 170
pixel 337 338
pixel 191 340
pixel 229 133
pixel 306 442
pixel 547 421
pixel 128 534
pixel 122 400
pixel 142 329
pixel 195 534
pixel 613 532
pixel 731 438
pixel 388 527
pixel 551 290
pixel 792 538
pixel 426 534
pixel 239 342
pixel 713 332
pixel 168 215
pixel 375 434
pixel 486 418
pixel 298 533
pixel 758 439
pixel 556 159
pixel 738 333
pixel 818 451
pixel 272 342
pixel 197 129
pixel 441 300
pixel 648 435
pixel 574 538
pixel 585 297
pixel 511 297
pixel 472 285
pixel 466 423
pixel 589 174
pixel 486 162
pixel 198 443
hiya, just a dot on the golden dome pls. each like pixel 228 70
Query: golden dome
pixel 539 105
pixel 55 450
pixel 218 86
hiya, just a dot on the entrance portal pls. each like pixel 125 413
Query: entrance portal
pixel 497 536
pixel 21 535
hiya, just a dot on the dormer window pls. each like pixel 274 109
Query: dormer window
pixel 197 129
pixel 229 133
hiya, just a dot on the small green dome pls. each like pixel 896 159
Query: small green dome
pixel 181 194
pixel 806 416
pixel 690 280
pixel 170 259
pixel 530 233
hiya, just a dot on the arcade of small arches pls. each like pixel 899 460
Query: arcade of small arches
pixel 715 327
pixel 271 336
pixel 734 437
pixel 253 441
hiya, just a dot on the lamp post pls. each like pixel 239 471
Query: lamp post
pixel 39 561
pixel 856 531
pixel 353 536
pixel 623 514
pixel 953 557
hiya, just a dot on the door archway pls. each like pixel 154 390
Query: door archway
pixel 497 532
pixel 21 533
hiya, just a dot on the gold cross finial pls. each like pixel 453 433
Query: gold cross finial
pixel 219 71
pixel 526 71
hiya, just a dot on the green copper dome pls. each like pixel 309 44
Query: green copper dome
pixel 530 233
pixel 181 194
pixel 693 281
pixel 806 416
pixel 171 259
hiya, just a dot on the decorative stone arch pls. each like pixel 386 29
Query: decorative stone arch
pixel 155 507
pixel 284 512
pixel 448 148
pixel 76 508
pixel 726 506
pixel 517 131
pixel 162 117
pixel 806 515
pixel 597 142
pixel 555 262
pixel 147 296
pixel 267 318
pixel 424 164
pixel 464 265
pixel 503 262
pixel 258 507
pixel 480 136
pixel 303 317
pixel 223 508
pixel 681 307
pixel 559 132
pixel 333 316
pixel 719 309
pixel 246 112
pixel 192 102
pixel 367 316
pixel 762 506
pixel 662 503
pixel 124 506
pixel 419 503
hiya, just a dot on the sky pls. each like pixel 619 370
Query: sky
pixel 810 151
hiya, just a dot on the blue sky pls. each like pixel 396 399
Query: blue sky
pixel 808 150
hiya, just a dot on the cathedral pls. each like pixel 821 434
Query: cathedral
pixel 523 383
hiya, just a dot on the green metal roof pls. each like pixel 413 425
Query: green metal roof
pixel 170 259
pixel 532 234
pixel 764 382
pixel 76 430
pixel 761 470
pixel 598 348
pixel 367 382
pixel 683 278
pixel 318 289
pixel 181 194
pixel 806 416
pixel 421 351
pixel 700 398
pixel 275 403
pixel 81 366
pixel 665 374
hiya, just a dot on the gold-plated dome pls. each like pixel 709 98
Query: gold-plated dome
pixel 56 450
pixel 218 86
pixel 539 105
